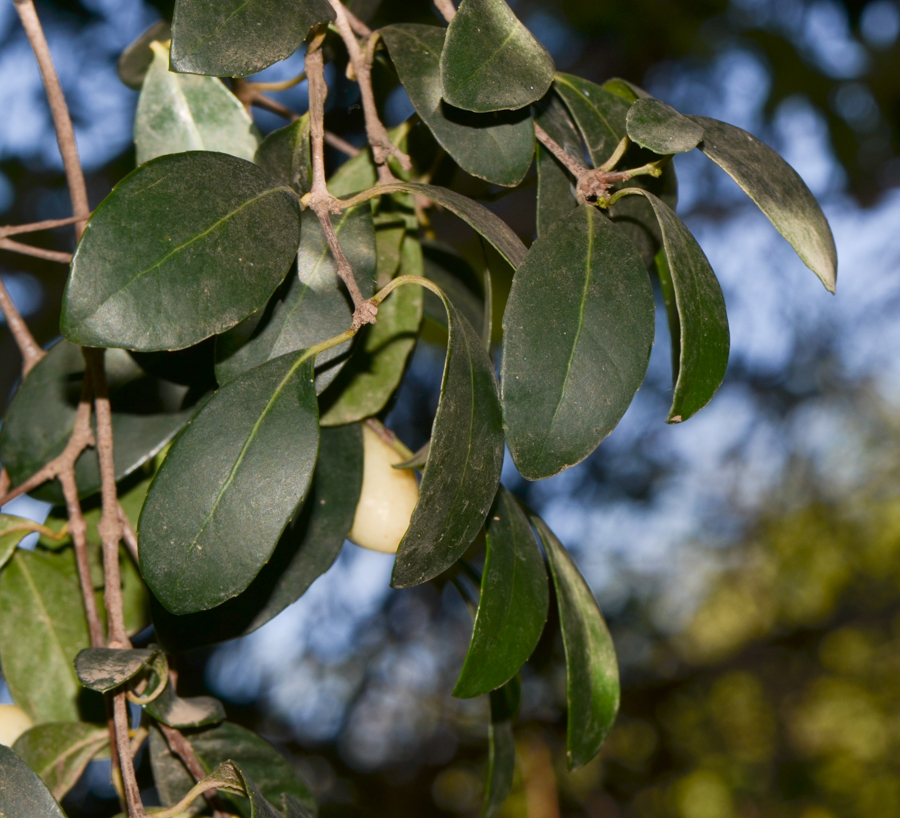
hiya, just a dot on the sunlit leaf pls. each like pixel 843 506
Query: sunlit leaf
pixel 22 793
pixel 654 125
pixel 12 531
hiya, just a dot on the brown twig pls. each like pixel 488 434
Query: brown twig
pixel 341 144
pixel 446 8
pixel 358 26
pixel 31 352
pixel 37 252
pixel 4 482
pixel 181 747
pixel 34 227
pixel 129 536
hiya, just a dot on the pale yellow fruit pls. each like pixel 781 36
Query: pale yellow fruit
pixel 387 500
pixel 13 722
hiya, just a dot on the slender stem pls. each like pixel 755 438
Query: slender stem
pixel 576 168
pixel 341 144
pixel 181 747
pixel 37 252
pixel 129 535
pixel 126 760
pixel 279 86
pixel 4 482
pixel 269 104
pixel 62 122
pixel 34 227
pixel 356 24
pixel 446 8
pixel 31 352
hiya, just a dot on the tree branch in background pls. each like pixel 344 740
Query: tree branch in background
pixel 31 352
pixel 34 227
pixel 181 747
pixel 37 252
pixel 446 8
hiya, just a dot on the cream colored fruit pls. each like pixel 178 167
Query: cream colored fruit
pixel 387 499
pixel 13 722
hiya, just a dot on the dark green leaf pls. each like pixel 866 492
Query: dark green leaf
pixel 496 147
pixel 417 461
pixel 513 606
pixel 235 38
pixel 136 58
pixel 42 628
pixel 501 767
pixel 317 305
pixel 181 112
pixel 555 185
pixel 59 752
pixel 577 334
pixel 379 358
pixel 599 114
pixel 12 531
pixel 699 327
pixel 229 485
pixel 660 128
pixel 285 155
pixel 106 668
pixel 457 280
pixel 490 61
pixel 41 417
pixel 592 673
pixel 292 808
pixel 196 269
pixel 22 793
pixel 777 190
pixel 625 89
pixel 259 806
pixel 170 777
pixel 196 711
pixel 464 461
pixel 305 551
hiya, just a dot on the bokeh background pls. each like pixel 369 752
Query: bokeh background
pixel 748 561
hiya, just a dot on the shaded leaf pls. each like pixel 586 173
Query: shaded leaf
pixel 170 777
pixel 22 793
pixel 512 608
pixel 660 128
pixel 457 280
pixel 577 334
pixel 259 806
pixel 135 60
pixel 285 155
pixel 42 628
pixel 236 38
pixel 777 190
pixel 182 112
pixel 59 752
pixel 555 185
pixel 497 147
pixel 464 460
pixel 41 417
pixel 592 673
pixel 106 668
pixel 599 114
pixel 317 305
pixel 501 767
pixel 306 550
pixel 197 269
pixel 490 61
pixel 195 711
pixel 12 531
pixel 229 485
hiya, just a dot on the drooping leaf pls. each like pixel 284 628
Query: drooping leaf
pixel 41 417
pixel 236 38
pixel 42 628
pixel 379 358
pixel 196 269
pixel 59 752
pixel 458 281
pixel 497 147
pixel 259 806
pixel 592 673
pixel 229 485
pixel 490 61
pixel 577 334
pixel 195 711
pixel 12 531
pixel 106 668
pixel 501 767
pixel 599 114
pixel 512 608
pixel 464 460
pixel 22 793
pixel 699 325
pixel 555 185
pixel 135 60
pixel 306 550
pixel 654 125
pixel 777 190
pixel 285 155
pixel 183 112
pixel 317 305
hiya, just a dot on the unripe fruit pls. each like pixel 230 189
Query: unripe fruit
pixel 387 499
pixel 13 722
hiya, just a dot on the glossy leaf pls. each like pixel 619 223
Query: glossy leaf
pixel 490 61
pixel 555 185
pixel 22 793
pixel 103 669
pixel 654 125
pixel 60 752
pixel 699 325
pixel 379 358
pixel 317 305
pixel 777 190
pixel 236 38
pixel 577 334
pixel 229 485
pixel 284 154
pixel 12 531
pixel 42 628
pixel 182 112
pixel 196 269
pixel 592 673
pixel 306 550
pixel 512 608
pixel 599 114
pixel 464 461
pixel 195 711
pixel 135 60
pixel 497 147
pixel 42 413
